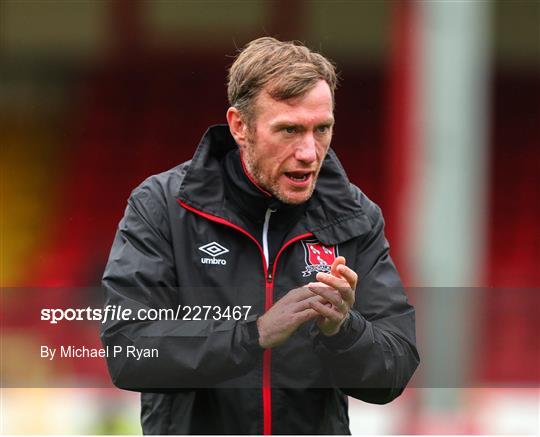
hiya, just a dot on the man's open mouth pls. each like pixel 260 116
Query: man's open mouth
pixel 298 176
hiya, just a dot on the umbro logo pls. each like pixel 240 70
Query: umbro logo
pixel 213 249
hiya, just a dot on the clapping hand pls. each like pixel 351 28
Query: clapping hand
pixel 338 290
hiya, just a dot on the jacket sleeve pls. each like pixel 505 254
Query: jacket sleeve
pixel 374 355
pixel 139 276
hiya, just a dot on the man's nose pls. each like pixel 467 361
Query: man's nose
pixel 306 151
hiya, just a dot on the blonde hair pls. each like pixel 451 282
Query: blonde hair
pixel 288 69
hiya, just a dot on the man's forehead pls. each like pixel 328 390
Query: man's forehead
pixel 314 105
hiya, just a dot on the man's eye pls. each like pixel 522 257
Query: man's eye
pixel 290 129
pixel 323 129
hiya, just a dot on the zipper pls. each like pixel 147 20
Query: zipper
pixel 267 354
pixel 267 357
pixel 269 297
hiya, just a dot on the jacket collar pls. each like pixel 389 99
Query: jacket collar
pixel 332 214
pixel 251 199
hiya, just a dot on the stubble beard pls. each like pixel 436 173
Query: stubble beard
pixel 253 166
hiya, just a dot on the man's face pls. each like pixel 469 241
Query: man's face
pixel 288 142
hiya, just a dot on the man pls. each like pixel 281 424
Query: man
pixel 274 264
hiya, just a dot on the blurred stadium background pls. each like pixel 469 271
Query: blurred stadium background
pixel 437 120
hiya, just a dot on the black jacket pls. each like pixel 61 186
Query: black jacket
pixel 211 376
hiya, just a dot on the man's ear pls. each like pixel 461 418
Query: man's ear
pixel 237 126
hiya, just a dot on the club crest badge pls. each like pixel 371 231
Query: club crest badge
pixel 318 257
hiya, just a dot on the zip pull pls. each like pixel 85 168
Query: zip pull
pixel 266 225
pixel 269 277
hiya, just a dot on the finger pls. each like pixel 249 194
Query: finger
pixel 319 285
pixel 305 315
pixel 332 281
pixel 349 275
pixel 305 304
pixel 340 260
pixel 343 307
pixel 298 294
pixel 340 303
pixel 342 286
pixel 329 313
pixel 329 294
